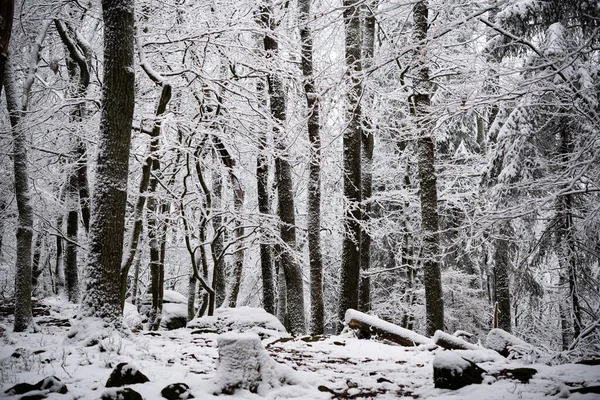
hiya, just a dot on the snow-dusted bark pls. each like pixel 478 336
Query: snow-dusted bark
pixel 7 8
pixel 317 308
pixel 102 290
pixel 502 277
pixel 264 207
pixel 368 143
pixel 350 270
pixel 23 315
pixel 285 187
pixel 434 307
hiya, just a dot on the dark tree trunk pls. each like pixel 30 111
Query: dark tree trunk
pixel 107 225
pixel 71 270
pixel 434 307
pixel 218 278
pixel 368 143
pixel 7 8
pixel 23 315
pixel 264 207
pixel 285 189
pixel 350 271
pixel 502 278
pixel 317 308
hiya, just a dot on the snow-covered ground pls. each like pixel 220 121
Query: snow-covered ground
pixel 332 367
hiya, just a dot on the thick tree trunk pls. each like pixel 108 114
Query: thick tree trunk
pixel 502 278
pixel 23 315
pixel 434 307
pixel 71 270
pixel 7 8
pixel 107 225
pixel 368 143
pixel 218 278
pixel 285 187
pixel 264 207
pixel 350 271
pixel 317 308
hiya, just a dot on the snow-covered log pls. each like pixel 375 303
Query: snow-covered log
pixel 245 364
pixel 450 342
pixel 451 371
pixel 369 325
pixel 503 342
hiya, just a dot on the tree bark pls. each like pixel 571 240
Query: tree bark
pixel 7 8
pixel 502 278
pixel 350 270
pixel 264 207
pixel 217 245
pixel 285 189
pixel 368 143
pixel 23 314
pixel 434 307
pixel 107 225
pixel 71 270
pixel 317 308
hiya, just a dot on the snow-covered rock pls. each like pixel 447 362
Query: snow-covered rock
pixel 451 371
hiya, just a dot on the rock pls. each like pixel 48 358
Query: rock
pixel 34 396
pixel 176 391
pixel 451 371
pixel 52 384
pixel 21 388
pixel 521 374
pixel 121 394
pixel 125 374
pixel 243 319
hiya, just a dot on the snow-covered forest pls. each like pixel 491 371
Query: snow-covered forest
pixel 433 163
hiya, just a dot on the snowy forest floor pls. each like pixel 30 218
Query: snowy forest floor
pixel 334 367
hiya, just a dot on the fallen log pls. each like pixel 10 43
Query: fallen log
pixel 368 325
pixel 507 344
pixel 450 342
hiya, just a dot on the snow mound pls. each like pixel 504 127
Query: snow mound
pixel 244 364
pixel 240 319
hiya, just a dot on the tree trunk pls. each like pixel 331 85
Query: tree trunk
pixel 502 278
pixel 264 207
pixel 7 8
pixel 238 256
pixel 107 225
pixel 71 271
pixel 368 142
pixel 434 307
pixel 218 278
pixel 317 308
pixel 285 187
pixel 23 315
pixel 350 271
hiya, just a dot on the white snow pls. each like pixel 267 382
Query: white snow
pixel 342 364
pixel 240 319
pixel 451 361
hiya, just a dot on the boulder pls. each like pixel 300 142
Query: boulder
pixel 176 391
pixel 121 394
pixel 451 371
pixel 125 374
pixel 51 384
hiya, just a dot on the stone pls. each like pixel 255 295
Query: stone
pixel 176 391
pixel 21 388
pixel 121 394
pixel 52 384
pixel 125 374
pixel 451 371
